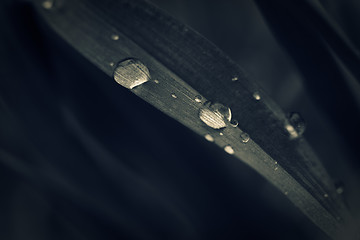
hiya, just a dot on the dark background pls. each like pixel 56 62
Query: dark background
pixel 81 158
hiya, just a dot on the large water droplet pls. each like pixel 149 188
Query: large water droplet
pixel 131 73
pixel 297 122
pixel 215 115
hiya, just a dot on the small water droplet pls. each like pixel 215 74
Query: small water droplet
pixel 131 73
pixel 275 162
pixel 326 195
pixel 229 149
pixel 215 115
pixel 286 193
pixel 234 123
pixel 221 134
pixel 173 95
pixel 235 78
pixel 276 168
pixel 111 64
pixel 156 81
pixel 48 4
pixel 257 96
pixel 115 37
pixel 291 130
pixel 244 137
pixel 297 122
pixel 209 138
pixel 340 190
pixel 198 98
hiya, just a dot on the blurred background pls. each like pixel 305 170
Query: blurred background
pixel 81 159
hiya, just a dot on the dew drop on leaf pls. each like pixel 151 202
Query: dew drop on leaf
pixel 244 137
pixel 234 123
pixel 229 149
pixel 215 115
pixel 257 96
pixel 48 4
pixel 131 73
pixel 209 138
pixel 297 122
pixel 198 98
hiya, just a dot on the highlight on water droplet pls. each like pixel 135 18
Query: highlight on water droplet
pixel 221 134
pixel 173 95
pixel 234 123
pixel 257 96
pixel 244 137
pixel 235 78
pixel 131 73
pixel 215 115
pixel 297 122
pixel 111 64
pixel 229 149
pixel 156 81
pixel 326 195
pixel 209 138
pixel 198 98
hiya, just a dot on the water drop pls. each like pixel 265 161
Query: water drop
pixel 198 98
pixel 326 195
pixel 173 95
pixel 48 4
pixel 209 138
pixel 276 168
pixel 297 122
pixel 221 134
pixel 291 130
pixel 339 187
pixel 156 81
pixel 215 115
pixel 111 64
pixel 340 190
pixel 229 149
pixel 234 123
pixel 234 79
pixel 115 37
pixel 131 73
pixel 257 96
pixel 244 137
